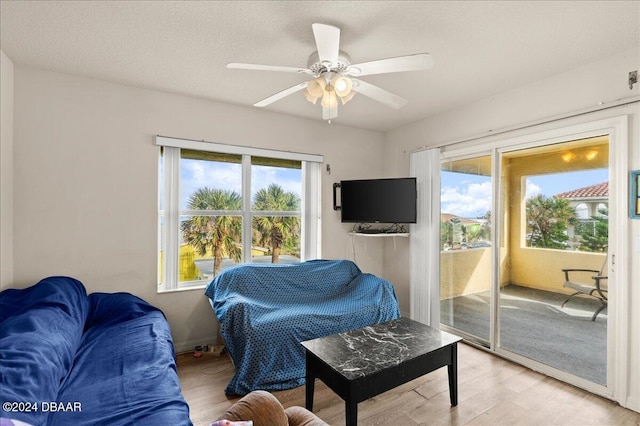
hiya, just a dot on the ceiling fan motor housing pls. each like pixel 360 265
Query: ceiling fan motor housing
pixel 320 67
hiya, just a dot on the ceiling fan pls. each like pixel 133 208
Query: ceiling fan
pixel 334 77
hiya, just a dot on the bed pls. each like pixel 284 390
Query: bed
pixel 71 358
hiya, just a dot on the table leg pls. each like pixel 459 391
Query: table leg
pixel 453 375
pixel 310 382
pixel 351 413
pixel 309 388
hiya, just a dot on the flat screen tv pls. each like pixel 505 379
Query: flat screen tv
pixel 378 200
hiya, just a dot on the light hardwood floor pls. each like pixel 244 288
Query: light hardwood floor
pixel 492 391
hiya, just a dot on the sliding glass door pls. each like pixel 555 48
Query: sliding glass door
pixel 555 208
pixel 503 279
pixel 465 246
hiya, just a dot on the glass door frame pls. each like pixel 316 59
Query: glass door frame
pixel 616 129
pixel 468 154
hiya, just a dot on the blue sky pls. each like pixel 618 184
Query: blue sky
pixel 470 195
pixel 563 182
pixel 196 174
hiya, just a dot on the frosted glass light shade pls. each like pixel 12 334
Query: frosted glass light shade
pixel 348 97
pixel 316 87
pixel 342 85
pixel 329 99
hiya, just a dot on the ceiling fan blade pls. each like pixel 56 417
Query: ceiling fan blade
pixel 327 42
pixel 378 94
pixel 286 92
pixel 257 67
pixel 417 62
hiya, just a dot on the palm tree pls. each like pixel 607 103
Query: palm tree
pixel 446 234
pixel 486 226
pixel 547 220
pixel 220 233
pixel 597 238
pixel 276 231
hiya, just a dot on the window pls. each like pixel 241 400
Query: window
pixel 562 209
pixel 221 205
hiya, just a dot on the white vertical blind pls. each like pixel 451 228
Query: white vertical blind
pixel 171 215
pixel 311 224
pixel 246 208
pixel 424 240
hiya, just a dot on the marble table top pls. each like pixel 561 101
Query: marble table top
pixel 359 353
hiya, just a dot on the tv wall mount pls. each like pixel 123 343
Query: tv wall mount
pixel 335 197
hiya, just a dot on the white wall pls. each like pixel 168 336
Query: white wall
pixel 6 171
pixel 601 82
pixel 86 182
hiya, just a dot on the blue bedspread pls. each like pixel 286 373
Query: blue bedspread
pixel 129 373
pixel 40 332
pixel 108 358
pixel 265 311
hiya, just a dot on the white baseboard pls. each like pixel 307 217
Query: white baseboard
pixel 633 404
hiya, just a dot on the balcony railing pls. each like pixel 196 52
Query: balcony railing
pixel 464 272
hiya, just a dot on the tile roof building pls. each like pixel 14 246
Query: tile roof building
pixel 587 201
pixel 599 191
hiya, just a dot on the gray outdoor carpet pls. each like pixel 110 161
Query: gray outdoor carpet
pixel 533 325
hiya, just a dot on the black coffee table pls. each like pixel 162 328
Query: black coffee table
pixel 363 363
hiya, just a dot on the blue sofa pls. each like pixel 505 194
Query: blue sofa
pixel 265 311
pixel 71 359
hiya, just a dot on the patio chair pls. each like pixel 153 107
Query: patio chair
pixel 598 288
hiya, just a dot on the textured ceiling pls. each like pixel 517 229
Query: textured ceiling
pixel 480 48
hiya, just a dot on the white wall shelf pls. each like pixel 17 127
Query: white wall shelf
pixel 381 234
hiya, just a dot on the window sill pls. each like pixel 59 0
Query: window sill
pixel 198 286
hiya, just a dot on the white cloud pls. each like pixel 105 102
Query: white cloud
pixel 466 199
pixel 228 176
pixel 532 189
pixel 199 174
pixel 288 180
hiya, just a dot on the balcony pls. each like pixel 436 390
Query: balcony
pixel 532 322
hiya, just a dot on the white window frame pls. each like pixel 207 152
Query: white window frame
pixel 309 214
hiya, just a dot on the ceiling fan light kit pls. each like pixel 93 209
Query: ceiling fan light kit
pixel 311 98
pixel 343 86
pixel 346 98
pixel 329 91
pixel 331 70
pixel 315 88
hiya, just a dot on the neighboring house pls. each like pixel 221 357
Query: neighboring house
pixel 461 231
pixel 587 202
